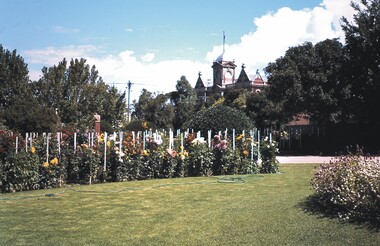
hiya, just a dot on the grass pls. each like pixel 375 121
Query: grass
pixel 264 210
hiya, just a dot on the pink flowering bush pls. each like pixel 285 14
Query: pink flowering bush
pixel 350 185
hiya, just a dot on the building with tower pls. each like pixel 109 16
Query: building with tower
pixel 224 79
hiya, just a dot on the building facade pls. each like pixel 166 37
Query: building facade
pixel 224 79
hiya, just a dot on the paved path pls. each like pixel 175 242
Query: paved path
pixel 310 159
pixel 304 159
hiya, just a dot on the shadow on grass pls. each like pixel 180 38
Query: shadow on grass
pixel 312 205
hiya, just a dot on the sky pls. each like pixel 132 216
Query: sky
pixel 152 43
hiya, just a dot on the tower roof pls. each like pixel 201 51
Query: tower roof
pixel 199 83
pixel 257 79
pixel 243 77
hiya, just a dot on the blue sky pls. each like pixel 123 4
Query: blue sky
pixel 154 42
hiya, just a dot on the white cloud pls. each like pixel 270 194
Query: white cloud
pixel 53 55
pixel 339 8
pixel 155 77
pixel 275 33
pixel 128 30
pixel 284 28
pixel 148 57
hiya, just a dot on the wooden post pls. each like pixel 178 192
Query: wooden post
pixel 97 124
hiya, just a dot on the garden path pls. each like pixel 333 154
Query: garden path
pixel 304 159
pixel 307 159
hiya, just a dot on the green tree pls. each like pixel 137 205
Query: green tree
pixel 264 113
pixel 236 98
pixel 13 78
pixel 363 67
pixel 308 80
pixel 154 108
pixel 218 118
pixel 184 100
pixel 77 92
pixel 19 110
pixel 21 118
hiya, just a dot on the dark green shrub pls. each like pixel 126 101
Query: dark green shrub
pixel 140 125
pixel 105 126
pixel 20 172
pixel 200 159
pixel 169 163
pixel 218 118
pixel 268 151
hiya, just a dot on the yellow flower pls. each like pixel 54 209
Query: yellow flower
pixel 45 164
pixel 239 137
pixel 145 152
pixel 145 125
pixel 245 152
pixel 85 146
pixel 54 161
pixel 101 138
pixel 109 144
pixel 33 150
pixel 182 157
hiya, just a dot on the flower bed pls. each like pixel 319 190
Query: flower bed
pixel 52 160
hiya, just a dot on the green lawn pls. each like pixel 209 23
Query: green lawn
pixel 264 210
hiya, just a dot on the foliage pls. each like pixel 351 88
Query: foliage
pixel 7 143
pixel 200 158
pixel 263 112
pixel 362 68
pixel 136 156
pixel 89 160
pixel 139 125
pixel 19 172
pixel 19 110
pixel 269 149
pixel 184 100
pixel 308 79
pixel 224 156
pixel 219 118
pixel 106 126
pixel 236 98
pixel 154 108
pixel 77 92
pixel 13 78
pixel 350 187
pixel 20 117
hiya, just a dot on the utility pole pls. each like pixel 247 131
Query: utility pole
pixel 129 99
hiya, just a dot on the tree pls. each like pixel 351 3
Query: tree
pixel 218 118
pixel 19 110
pixel 184 100
pixel 363 66
pixel 154 108
pixel 236 98
pixel 21 118
pixel 77 93
pixel 264 113
pixel 13 78
pixel 307 80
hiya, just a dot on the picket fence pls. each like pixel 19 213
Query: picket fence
pixel 142 136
